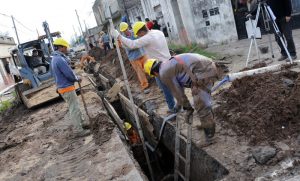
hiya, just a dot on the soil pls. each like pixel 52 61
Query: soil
pixel 39 144
pixel 102 128
pixel 258 65
pixel 262 108
pixel 110 66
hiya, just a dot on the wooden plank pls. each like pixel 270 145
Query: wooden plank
pixel 115 116
pixel 127 102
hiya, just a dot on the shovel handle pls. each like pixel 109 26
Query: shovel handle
pixel 83 100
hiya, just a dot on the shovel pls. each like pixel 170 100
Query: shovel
pixel 85 107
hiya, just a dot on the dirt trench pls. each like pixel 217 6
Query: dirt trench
pixel 39 144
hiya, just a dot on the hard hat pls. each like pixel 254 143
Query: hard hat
pixel 61 42
pixel 127 126
pixel 149 65
pixel 137 26
pixel 123 26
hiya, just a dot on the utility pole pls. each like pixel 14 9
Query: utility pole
pixel 79 22
pixel 37 31
pixel 85 43
pixel 13 20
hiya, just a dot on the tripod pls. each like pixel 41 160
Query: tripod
pixel 268 16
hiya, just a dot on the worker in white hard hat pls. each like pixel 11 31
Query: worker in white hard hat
pixel 65 79
pixel 155 46
pixel 136 57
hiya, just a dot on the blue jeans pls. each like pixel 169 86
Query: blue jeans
pixel 167 93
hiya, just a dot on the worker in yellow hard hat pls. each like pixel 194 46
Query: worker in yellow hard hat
pixel 65 79
pixel 132 134
pixel 189 71
pixel 136 57
pixel 155 46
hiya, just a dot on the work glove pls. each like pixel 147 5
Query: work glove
pixel 115 34
pixel 188 112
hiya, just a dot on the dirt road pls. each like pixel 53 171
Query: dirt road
pixel 39 145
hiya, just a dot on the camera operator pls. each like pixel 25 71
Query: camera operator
pixel 282 9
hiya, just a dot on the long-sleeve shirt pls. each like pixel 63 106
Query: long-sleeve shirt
pixel 175 77
pixel 63 74
pixel 281 8
pixel 134 54
pixel 154 44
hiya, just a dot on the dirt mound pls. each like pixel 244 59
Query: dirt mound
pixel 262 108
pixel 111 65
pixel 102 128
pixel 256 66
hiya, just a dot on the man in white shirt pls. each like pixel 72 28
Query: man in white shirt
pixel 155 46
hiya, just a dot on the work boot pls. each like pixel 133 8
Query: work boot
pixel 83 133
pixel 208 125
pixel 283 57
pixel 85 125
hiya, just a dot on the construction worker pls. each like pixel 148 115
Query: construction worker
pixel 132 134
pixel 87 63
pixel 65 79
pixel 191 71
pixel 95 52
pixel 155 46
pixel 136 57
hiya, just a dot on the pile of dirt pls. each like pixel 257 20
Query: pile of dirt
pixel 102 128
pixel 256 66
pixel 262 108
pixel 111 65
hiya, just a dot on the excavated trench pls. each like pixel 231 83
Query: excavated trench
pixel 203 166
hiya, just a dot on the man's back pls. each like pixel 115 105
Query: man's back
pixel 154 44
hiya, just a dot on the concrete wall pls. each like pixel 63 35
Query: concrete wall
pixel 205 22
pixel 213 21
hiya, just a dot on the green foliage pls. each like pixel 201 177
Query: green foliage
pixel 193 48
pixel 4 105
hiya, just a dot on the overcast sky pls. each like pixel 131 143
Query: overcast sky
pixel 60 15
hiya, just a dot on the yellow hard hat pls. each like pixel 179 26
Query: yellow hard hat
pixel 123 26
pixel 137 26
pixel 149 65
pixel 127 126
pixel 61 42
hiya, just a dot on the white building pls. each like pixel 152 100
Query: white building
pixel 205 22
pixel 6 43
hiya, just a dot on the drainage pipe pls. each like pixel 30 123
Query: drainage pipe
pixel 273 68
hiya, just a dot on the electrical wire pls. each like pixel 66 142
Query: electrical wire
pixel 23 25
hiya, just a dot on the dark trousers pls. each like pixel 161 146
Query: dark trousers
pixel 106 47
pixel 286 30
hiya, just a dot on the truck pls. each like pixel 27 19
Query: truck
pixel 33 87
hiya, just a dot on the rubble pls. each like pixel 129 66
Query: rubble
pixel 262 154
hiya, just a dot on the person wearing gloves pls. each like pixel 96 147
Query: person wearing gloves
pixel 193 71
pixel 65 79
pixel 155 46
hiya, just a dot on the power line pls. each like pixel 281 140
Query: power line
pixel 5 15
pixel 23 25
